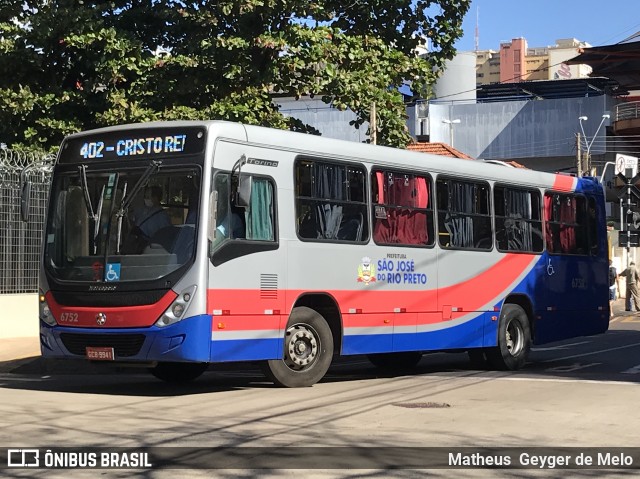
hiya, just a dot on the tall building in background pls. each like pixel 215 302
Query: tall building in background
pixel 516 62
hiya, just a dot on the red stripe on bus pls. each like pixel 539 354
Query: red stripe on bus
pixel 475 293
pixel 377 308
pixel 248 322
pixel 115 317
pixel 564 183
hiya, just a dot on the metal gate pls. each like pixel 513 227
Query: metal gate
pixel 20 241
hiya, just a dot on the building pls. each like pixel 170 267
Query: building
pixel 516 62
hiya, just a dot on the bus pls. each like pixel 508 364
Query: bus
pixel 176 245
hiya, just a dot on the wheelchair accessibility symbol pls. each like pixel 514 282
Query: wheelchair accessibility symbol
pixel 113 272
pixel 550 270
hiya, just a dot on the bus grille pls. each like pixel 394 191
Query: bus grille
pixel 108 299
pixel 124 345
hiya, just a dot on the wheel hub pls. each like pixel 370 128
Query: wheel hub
pixel 302 347
pixel 514 338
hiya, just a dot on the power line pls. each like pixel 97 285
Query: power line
pixel 620 33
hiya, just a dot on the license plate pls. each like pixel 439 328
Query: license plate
pixel 99 354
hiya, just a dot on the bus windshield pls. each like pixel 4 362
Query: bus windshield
pixel 128 225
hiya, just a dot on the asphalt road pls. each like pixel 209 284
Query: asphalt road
pixel 580 393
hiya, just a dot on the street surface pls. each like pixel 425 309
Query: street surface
pixel 582 392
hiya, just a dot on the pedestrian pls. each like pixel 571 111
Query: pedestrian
pixel 613 286
pixel 633 278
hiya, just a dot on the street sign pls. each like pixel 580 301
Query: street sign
pixel 626 162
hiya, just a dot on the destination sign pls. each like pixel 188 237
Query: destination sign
pixel 134 144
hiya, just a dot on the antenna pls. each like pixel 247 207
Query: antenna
pixel 477 36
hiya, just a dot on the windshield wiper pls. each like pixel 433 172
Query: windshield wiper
pixel 119 215
pixel 127 199
pixel 93 215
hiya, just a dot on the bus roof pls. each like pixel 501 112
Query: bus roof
pixel 313 145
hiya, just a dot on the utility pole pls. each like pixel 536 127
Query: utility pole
pixel 586 164
pixel 373 123
pixel 587 159
pixel 578 155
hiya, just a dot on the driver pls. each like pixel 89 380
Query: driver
pixel 152 217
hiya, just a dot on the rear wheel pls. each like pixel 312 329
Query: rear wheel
pixel 514 339
pixel 179 372
pixel 395 361
pixel 308 350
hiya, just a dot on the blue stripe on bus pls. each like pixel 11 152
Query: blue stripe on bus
pixel 477 332
pixel 246 349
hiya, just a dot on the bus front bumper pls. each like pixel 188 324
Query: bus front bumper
pixel 188 340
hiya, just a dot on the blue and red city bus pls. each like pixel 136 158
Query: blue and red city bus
pixel 174 245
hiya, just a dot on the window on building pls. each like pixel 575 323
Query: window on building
pixel 518 221
pixel 464 214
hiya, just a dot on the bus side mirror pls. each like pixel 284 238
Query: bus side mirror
pixel 25 196
pixel 243 193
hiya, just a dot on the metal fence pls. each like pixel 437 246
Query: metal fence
pixel 20 241
pixel 628 110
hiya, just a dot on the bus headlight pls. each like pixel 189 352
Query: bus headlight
pixel 176 311
pixel 45 312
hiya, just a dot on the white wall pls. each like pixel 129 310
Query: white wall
pixel 18 315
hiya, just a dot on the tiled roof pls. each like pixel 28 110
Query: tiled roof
pixel 438 149
pixel 445 150
pixel 513 164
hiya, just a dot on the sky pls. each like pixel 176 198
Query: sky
pixel 542 22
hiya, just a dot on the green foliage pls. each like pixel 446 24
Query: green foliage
pixel 69 65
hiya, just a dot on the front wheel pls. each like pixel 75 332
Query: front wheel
pixel 179 372
pixel 308 350
pixel 514 339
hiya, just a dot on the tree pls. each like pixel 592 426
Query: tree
pixel 70 65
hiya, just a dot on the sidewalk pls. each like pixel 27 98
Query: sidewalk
pixel 19 348
pixel 16 352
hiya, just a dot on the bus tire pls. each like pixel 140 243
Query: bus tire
pixel 514 339
pixel 308 351
pixel 178 372
pixel 395 361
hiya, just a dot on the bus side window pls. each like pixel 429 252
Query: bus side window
pixel 566 223
pixel 517 217
pixel 260 220
pixel 402 209
pixel 330 201
pixel 255 222
pixel 464 214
